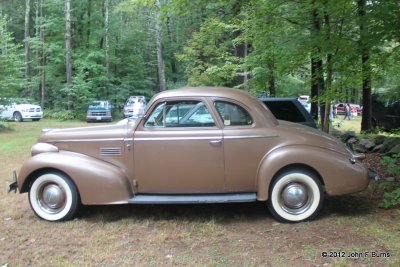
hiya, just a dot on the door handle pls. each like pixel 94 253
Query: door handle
pixel 216 142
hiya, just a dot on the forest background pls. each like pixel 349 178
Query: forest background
pixel 65 53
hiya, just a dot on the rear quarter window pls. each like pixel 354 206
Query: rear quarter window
pixel 285 110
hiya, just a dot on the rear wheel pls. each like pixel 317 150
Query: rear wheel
pixel 54 197
pixel 17 117
pixel 295 196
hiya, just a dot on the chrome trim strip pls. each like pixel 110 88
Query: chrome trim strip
pixel 86 140
pixel 192 199
pixel 202 138
pixel 249 136
pixel 178 138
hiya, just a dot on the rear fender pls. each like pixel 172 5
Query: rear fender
pixel 98 182
pixel 336 172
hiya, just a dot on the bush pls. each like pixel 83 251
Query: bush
pixel 392 197
pixel 62 115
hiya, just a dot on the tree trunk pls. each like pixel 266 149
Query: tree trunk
pixel 366 124
pixel 317 83
pixel 107 41
pixel 26 44
pixel 326 107
pixel 42 57
pixel 68 51
pixel 89 14
pixel 160 60
pixel 271 79
pixel 174 68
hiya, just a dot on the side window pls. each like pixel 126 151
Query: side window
pixel 232 114
pixel 180 114
pixel 285 110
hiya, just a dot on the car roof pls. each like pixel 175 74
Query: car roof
pixel 220 92
pixel 205 91
pixel 278 99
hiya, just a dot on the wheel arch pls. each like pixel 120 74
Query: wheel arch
pixel 97 182
pixel 282 160
pixel 37 173
pixel 297 166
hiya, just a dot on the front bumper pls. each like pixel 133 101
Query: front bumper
pixel 14 184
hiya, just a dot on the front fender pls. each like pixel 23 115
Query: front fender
pixel 335 170
pixel 98 182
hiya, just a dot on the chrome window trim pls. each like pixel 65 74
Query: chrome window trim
pixel 90 140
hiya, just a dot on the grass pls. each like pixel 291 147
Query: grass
pixel 348 125
pixel 185 235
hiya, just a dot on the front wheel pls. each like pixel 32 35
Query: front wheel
pixel 54 197
pixel 17 117
pixel 295 196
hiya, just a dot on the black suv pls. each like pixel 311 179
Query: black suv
pixel 386 117
pixel 289 109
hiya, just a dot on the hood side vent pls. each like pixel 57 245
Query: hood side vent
pixel 110 151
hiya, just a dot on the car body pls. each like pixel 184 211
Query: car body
pixel 386 117
pixel 129 108
pixel 20 110
pixel 289 109
pixel 355 108
pixel 193 145
pixel 99 110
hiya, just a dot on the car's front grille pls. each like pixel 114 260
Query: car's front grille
pixel 34 110
pixel 98 113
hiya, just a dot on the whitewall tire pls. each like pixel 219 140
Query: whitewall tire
pixel 295 196
pixel 54 197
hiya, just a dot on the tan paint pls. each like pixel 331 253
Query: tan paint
pixel 219 159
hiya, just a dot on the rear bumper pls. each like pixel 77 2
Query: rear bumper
pixel 373 175
pixel 13 186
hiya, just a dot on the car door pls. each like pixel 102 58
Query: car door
pixel 245 145
pixel 178 149
pixel 8 111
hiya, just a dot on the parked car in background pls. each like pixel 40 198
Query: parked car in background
pixel 193 145
pixel 355 108
pixel 303 98
pixel 289 109
pixel 134 106
pixel 19 110
pixel 100 110
pixel 386 117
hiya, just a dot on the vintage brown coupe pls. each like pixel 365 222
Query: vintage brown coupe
pixel 193 145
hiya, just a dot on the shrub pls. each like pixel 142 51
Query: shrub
pixel 62 115
pixel 392 197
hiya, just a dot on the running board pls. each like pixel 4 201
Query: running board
pixel 192 199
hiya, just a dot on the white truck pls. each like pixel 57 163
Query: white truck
pixel 20 111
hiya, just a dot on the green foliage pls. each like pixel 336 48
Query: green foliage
pixel 263 46
pixel 392 197
pixel 61 115
pixel 209 58
pixel 11 62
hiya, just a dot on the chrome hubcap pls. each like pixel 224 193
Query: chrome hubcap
pixel 295 198
pixel 52 198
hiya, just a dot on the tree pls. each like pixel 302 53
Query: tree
pixel 26 41
pixel 11 62
pixel 68 51
pixel 159 36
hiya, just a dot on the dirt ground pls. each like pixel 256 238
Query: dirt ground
pixel 350 231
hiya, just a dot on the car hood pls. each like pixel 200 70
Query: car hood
pixel 297 134
pixel 109 132
pixel 27 106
